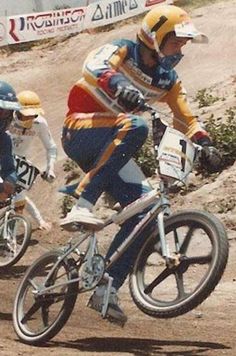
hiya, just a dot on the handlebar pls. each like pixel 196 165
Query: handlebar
pixel 156 117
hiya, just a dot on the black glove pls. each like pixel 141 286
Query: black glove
pixel 211 159
pixel 130 97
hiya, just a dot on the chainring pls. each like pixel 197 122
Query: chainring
pixel 92 272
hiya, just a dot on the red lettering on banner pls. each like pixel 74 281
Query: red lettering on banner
pixel 54 18
pixel 153 2
pixel 12 29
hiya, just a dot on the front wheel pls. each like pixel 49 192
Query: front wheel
pixel 199 245
pixel 15 234
pixel 45 298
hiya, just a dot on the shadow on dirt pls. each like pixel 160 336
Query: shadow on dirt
pixel 5 316
pixel 33 242
pixel 13 272
pixel 140 347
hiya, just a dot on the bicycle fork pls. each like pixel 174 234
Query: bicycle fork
pixel 5 231
pixel 164 244
pixel 171 260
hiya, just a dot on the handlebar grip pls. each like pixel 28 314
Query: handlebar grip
pixel 145 106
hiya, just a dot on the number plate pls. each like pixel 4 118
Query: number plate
pixel 26 172
pixel 175 154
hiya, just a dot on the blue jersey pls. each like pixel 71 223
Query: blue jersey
pixel 118 62
pixel 7 165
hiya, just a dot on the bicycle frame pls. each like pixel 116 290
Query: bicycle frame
pixel 160 209
pixel 5 215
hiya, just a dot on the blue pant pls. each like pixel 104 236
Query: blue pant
pixel 124 264
pixel 104 151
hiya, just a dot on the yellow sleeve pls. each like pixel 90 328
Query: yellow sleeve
pixel 184 120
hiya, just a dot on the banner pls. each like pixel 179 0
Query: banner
pixel 110 11
pixel 37 26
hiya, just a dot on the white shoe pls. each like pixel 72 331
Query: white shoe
pixel 114 312
pixel 82 216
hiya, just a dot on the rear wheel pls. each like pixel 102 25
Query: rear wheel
pixel 199 245
pixel 40 313
pixel 14 239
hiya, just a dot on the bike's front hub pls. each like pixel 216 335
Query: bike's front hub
pixel 173 261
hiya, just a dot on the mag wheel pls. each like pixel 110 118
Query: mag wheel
pixel 199 244
pixel 44 300
pixel 15 236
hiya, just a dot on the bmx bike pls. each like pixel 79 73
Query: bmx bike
pixel 15 229
pixel 177 267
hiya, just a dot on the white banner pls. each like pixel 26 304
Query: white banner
pixel 37 26
pixel 109 11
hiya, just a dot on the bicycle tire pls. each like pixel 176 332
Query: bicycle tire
pixel 20 241
pixel 144 292
pixel 25 325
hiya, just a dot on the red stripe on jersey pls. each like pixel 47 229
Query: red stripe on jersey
pixel 80 101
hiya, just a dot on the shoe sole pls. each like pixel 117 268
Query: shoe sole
pixel 115 318
pixel 111 316
pixel 71 226
pixel 120 323
pixel 75 226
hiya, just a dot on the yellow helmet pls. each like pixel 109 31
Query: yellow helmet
pixel 162 20
pixel 30 103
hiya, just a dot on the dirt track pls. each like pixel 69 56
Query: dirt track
pixel 210 329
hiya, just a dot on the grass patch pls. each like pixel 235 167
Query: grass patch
pixel 204 97
pixel 223 134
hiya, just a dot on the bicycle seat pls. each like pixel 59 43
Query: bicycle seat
pixel 69 190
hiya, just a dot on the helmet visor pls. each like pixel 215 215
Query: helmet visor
pixel 9 105
pixel 24 121
pixel 31 111
pixel 188 30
